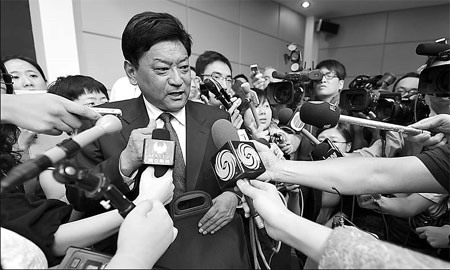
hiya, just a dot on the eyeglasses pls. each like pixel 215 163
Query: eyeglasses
pixel 217 76
pixel 329 75
pixel 7 79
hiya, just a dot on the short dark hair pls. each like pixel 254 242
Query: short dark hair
pixel 29 60
pixel 407 75
pixel 72 87
pixel 333 65
pixel 241 76
pixel 149 28
pixel 207 58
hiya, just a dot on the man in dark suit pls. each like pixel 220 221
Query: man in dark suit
pixel 156 49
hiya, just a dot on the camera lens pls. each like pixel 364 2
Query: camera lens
pixel 282 95
pixel 442 81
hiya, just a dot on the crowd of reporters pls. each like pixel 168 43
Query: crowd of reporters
pixel 380 185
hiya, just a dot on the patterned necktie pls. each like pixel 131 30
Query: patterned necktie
pixel 179 168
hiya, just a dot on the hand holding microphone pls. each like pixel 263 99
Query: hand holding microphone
pixel 105 125
pixel 323 114
pixel 235 160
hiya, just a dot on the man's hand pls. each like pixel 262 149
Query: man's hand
pixel 144 236
pixel 440 124
pixel 236 117
pixel 258 81
pixel 437 237
pixel 152 188
pixel 220 214
pixel 44 113
pixel 131 156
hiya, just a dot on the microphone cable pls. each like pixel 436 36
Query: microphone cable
pixel 255 242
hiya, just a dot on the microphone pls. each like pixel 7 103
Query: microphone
pixel 326 150
pixel 323 114
pixel 214 87
pixel 68 148
pixel 290 122
pixel 159 151
pixel 235 160
pixel 431 49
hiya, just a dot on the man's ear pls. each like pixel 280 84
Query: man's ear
pixel 131 71
pixel 341 85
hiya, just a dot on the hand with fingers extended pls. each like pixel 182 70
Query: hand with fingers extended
pixel 44 113
pixel 131 156
pixel 220 214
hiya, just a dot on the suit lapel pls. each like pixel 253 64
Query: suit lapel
pixel 134 115
pixel 196 140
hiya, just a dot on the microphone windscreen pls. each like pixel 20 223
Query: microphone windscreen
pixel 284 116
pixel 278 75
pixel 320 151
pixel 161 134
pixel 109 123
pixel 210 86
pixel 319 114
pixel 223 131
pixel 431 49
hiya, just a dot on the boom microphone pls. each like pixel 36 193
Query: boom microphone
pixel 323 114
pixel 235 160
pixel 431 49
pixel 105 125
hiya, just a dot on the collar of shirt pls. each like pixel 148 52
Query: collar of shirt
pixel 178 122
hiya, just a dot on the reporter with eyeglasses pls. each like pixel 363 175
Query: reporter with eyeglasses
pixel 214 65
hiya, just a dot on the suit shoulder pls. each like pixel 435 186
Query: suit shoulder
pixel 208 111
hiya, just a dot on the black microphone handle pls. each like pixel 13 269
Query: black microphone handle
pixel 22 173
pixel 256 217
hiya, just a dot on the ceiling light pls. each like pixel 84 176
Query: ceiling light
pixel 306 4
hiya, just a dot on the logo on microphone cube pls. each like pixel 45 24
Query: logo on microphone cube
pixel 158 152
pixel 236 160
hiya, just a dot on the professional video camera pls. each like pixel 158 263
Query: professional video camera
pixel 292 89
pixel 370 94
pixel 435 80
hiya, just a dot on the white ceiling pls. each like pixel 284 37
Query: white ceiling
pixel 340 8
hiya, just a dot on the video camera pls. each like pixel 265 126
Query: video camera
pixel 292 89
pixel 370 94
pixel 435 80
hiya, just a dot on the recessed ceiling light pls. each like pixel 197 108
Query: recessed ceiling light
pixel 305 4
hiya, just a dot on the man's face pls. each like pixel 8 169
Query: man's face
pixel 329 86
pixel 407 86
pixel 222 74
pixel 163 75
pixel 268 77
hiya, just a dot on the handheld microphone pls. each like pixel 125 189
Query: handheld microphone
pixel 325 150
pixel 214 87
pixel 159 151
pixel 235 160
pixel 291 122
pixel 68 148
pixel 323 114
